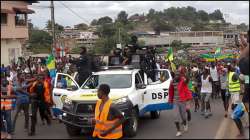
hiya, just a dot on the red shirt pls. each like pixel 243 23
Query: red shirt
pixel 184 92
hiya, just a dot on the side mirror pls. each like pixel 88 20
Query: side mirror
pixel 140 86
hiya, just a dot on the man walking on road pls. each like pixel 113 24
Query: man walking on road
pixel 108 119
pixel 215 81
pixel 206 91
pixel 183 95
pixel 20 90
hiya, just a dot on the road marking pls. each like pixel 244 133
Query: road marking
pixel 222 129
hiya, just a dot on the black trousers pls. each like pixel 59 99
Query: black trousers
pixel 215 89
pixel 25 108
pixel 239 125
pixel 35 105
pixel 225 98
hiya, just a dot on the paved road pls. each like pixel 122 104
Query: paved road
pixel 163 128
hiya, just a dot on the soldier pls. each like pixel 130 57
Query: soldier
pixel 85 65
pixel 150 59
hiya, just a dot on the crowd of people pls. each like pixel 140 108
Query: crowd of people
pixel 201 82
pixel 28 83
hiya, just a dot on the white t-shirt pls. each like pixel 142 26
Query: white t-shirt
pixel 206 86
pixel 214 74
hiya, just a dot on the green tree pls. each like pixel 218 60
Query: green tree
pixel 104 20
pixel 82 26
pixel 94 22
pixel 40 41
pixel 106 30
pixel 203 16
pixel 160 25
pixel 58 27
pixel 216 15
pixel 122 17
pixel 151 13
pixel 104 45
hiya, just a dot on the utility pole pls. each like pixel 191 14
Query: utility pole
pixel 53 26
pixel 120 35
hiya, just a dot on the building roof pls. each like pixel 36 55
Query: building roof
pixel 23 10
pixel 31 1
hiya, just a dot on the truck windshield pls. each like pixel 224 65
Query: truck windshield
pixel 115 81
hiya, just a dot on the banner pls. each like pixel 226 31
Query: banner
pixel 212 57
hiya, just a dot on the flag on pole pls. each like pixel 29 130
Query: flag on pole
pixel 170 55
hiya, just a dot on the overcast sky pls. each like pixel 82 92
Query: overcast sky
pixel 236 11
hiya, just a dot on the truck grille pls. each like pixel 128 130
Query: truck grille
pixel 85 108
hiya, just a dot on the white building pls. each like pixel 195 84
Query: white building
pixel 194 38
pixel 86 38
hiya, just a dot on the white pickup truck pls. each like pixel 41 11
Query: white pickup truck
pixel 131 90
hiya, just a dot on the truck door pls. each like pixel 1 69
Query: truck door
pixel 140 88
pixel 62 88
pixel 156 95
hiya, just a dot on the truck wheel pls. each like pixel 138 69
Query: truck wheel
pixel 131 125
pixel 73 131
pixel 155 114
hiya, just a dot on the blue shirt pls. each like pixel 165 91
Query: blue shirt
pixel 22 97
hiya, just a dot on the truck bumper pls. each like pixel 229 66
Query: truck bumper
pixel 82 121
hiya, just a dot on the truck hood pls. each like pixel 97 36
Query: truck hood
pixel 91 94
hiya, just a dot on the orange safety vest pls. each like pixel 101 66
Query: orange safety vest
pixel 103 124
pixel 46 94
pixel 6 104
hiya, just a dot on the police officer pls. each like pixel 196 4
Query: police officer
pixel 150 60
pixel 85 65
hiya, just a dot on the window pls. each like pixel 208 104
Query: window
pixel 161 76
pixel 3 18
pixel 113 80
pixel 21 19
pixel 138 79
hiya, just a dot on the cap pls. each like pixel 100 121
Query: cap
pixel 206 67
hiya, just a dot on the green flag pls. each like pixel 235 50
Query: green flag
pixel 50 62
pixel 170 55
pixel 217 51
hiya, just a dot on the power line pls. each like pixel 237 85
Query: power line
pixel 73 12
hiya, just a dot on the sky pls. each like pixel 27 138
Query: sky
pixel 235 12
